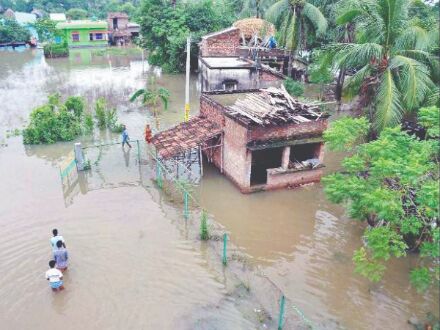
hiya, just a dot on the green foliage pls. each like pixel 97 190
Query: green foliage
pixel 88 123
pixel 392 59
pixel 76 13
pixel 107 118
pixel 54 121
pixel 346 133
pixel 165 29
pixel 421 278
pixel 293 87
pixel 204 234
pixel 56 50
pixel 296 20
pixel 430 119
pixel 392 183
pixel 46 29
pixel 11 31
pixel 153 95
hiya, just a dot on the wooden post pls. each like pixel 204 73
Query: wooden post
pixel 188 49
pixel 79 156
pixel 201 160
pixel 285 158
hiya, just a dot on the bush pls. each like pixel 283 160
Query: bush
pixel 11 31
pixel 107 118
pixel 293 87
pixel 56 50
pixel 204 234
pixel 54 121
pixel 88 123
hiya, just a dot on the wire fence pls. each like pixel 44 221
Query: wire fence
pixel 171 179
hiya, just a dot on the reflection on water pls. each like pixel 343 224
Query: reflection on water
pixel 130 267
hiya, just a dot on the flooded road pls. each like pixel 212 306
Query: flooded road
pixel 132 266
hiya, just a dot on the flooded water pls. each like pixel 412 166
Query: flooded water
pixel 132 264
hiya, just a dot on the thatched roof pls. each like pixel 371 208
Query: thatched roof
pixel 251 26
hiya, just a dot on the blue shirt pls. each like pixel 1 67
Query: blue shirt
pixel 60 256
pixel 124 135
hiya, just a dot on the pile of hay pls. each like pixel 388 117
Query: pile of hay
pixel 251 26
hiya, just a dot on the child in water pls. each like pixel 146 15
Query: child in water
pixel 125 137
pixel 60 256
pixel 55 277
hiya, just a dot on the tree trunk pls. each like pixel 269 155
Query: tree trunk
pixel 339 86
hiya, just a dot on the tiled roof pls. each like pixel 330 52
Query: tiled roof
pixel 185 136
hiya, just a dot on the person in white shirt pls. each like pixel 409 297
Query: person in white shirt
pixel 55 277
pixel 55 239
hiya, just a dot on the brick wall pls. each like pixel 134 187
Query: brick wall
pixel 268 76
pixel 211 110
pixel 292 179
pixel 222 44
pixel 312 128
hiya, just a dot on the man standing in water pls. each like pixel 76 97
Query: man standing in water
pixel 55 277
pixel 55 239
pixel 60 256
pixel 125 137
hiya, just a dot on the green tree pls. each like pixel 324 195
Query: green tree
pixel 77 13
pixel 11 31
pixel 296 19
pixel 46 29
pixel 153 95
pixel 165 27
pixel 391 59
pixel 392 184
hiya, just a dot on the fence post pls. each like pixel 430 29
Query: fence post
pixel 79 156
pixel 281 315
pixel 185 205
pixel 225 241
pixel 158 174
pixel 139 152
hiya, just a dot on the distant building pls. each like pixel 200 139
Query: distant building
pixel 24 19
pixel 261 139
pixel 121 31
pixel 58 17
pixel 84 33
pixel 241 57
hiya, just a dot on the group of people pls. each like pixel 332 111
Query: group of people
pixel 59 262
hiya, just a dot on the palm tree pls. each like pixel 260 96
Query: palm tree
pixel 391 60
pixel 302 18
pixel 153 96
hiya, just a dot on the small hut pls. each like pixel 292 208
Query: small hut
pixel 252 28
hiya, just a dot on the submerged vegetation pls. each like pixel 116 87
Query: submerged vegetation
pixel 392 184
pixel 57 121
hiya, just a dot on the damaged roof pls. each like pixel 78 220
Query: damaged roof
pixel 185 136
pixel 270 106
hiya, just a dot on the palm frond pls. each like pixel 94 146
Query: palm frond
pixel 353 83
pixel 315 17
pixel 136 94
pixel 348 16
pixel 414 37
pixel 292 33
pixel 413 80
pixel 357 55
pixel 276 11
pixel 388 110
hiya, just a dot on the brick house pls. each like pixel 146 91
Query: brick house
pixel 260 139
pixel 226 64
pixel 121 31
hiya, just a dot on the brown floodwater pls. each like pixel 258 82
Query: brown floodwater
pixel 133 265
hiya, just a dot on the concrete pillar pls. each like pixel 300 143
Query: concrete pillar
pixel 285 158
pixel 79 157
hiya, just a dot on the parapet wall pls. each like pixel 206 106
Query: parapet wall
pixel 221 44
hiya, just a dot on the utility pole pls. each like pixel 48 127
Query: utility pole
pixel 188 47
